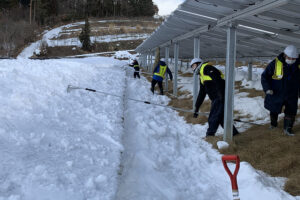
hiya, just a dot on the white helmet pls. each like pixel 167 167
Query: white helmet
pixel 291 51
pixel 196 60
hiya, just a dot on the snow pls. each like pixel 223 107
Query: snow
pixel 54 144
pixel 59 145
pixel 106 38
pixel 123 54
pixel 89 146
pixel 222 145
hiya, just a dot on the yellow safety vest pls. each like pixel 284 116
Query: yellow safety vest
pixel 278 72
pixel 204 77
pixel 162 71
pixel 136 66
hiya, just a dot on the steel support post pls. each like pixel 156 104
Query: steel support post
pixel 167 55
pixel 151 62
pixel 176 54
pixel 229 76
pixel 250 71
pixel 196 75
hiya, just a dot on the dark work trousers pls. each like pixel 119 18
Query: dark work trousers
pixel 153 83
pixel 288 113
pixel 136 74
pixel 216 117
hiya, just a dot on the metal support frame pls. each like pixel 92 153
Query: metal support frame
pixel 229 74
pixel 147 61
pixel 250 71
pixel 176 54
pixel 180 69
pixel 196 75
pixel 167 55
pixel 151 62
pixel 252 10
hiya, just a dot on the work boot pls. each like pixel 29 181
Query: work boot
pixel 152 90
pixel 288 125
pixel 274 119
pixel 235 131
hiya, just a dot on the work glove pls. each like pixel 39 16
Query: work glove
pixel 270 92
pixel 195 115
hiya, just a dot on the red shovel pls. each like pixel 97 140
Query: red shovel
pixel 236 159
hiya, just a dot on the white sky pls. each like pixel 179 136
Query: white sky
pixel 166 7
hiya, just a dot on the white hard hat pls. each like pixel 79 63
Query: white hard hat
pixel 162 59
pixel 291 51
pixel 196 60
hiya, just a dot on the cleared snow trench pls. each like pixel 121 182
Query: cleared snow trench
pixel 139 176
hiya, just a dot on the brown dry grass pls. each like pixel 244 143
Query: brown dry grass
pixel 251 92
pixel 187 103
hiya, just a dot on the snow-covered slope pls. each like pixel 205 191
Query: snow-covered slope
pixel 66 146
pixel 54 144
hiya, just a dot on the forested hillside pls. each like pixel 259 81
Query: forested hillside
pixel 22 20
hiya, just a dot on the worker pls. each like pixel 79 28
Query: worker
pixel 136 67
pixel 281 83
pixel 212 83
pixel 159 75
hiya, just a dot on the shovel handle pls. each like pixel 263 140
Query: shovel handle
pixel 236 159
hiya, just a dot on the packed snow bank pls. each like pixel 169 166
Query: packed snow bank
pixel 59 145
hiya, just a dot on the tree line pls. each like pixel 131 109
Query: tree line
pixel 48 11
pixel 22 20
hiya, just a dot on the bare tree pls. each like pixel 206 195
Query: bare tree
pixel 30 12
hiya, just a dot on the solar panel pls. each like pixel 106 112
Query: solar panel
pixel 264 28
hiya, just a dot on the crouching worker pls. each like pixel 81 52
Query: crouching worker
pixel 136 67
pixel 281 83
pixel 159 75
pixel 212 83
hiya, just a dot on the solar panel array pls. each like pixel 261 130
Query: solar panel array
pixel 264 28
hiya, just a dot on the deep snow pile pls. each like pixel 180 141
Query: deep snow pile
pixel 54 144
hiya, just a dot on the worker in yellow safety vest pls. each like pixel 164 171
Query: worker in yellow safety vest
pixel 281 84
pixel 159 74
pixel 212 83
pixel 136 67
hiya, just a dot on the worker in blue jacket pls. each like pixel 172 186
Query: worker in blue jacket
pixel 281 83
pixel 212 83
pixel 159 75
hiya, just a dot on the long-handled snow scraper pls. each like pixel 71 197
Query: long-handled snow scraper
pixel 70 88
pixel 234 185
